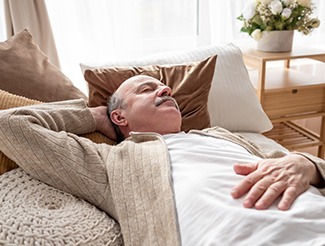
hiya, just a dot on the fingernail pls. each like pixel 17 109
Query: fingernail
pixel 248 204
pixel 260 206
pixel 283 206
pixel 234 193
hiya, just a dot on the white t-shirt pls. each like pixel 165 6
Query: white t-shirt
pixel 203 176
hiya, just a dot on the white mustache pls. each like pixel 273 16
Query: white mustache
pixel 163 99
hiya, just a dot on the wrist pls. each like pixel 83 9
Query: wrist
pixel 97 115
pixel 103 123
pixel 316 178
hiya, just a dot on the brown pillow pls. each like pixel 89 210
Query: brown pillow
pixel 25 70
pixel 8 100
pixel 190 85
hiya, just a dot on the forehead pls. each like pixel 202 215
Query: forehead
pixel 137 82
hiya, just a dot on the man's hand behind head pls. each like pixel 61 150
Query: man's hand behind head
pixel 103 123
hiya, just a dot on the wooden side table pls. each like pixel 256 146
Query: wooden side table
pixel 287 95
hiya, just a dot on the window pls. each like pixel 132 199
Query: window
pixel 123 28
pixel 104 30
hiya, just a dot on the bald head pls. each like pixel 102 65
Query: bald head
pixel 144 104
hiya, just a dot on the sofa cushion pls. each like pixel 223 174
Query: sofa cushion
pixel 25 70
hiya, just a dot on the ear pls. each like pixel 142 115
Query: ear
pixel 118 118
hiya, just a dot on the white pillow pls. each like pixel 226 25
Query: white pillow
pixel 232 103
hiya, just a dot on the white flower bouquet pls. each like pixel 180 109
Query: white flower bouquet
pixel 269 15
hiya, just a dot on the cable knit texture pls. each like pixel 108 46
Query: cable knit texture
pixel 33 213
pixel 9 100
pixel 42 139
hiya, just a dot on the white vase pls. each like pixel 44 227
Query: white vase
pixel 276 41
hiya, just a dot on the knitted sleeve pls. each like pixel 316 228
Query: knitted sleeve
pixel 42 140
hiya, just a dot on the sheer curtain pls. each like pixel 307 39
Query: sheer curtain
pixel 106 30
pixel 3 29
pixel 31 14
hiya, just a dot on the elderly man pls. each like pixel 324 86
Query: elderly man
pixel 162 185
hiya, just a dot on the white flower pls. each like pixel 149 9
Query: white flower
pixel 249 10
pixel 269 15
pixel 288 2
pixel 266 2
pixel 286 13
pixel 305 3
pixel 256 34
pixel 276 7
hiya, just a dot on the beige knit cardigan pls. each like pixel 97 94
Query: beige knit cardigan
pixel 131 181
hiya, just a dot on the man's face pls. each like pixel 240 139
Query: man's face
pixel 148 106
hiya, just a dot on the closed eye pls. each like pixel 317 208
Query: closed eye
pixel 146 89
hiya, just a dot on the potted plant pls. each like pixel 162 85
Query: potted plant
pixel 264 19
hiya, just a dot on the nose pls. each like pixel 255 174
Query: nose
pixel 164 91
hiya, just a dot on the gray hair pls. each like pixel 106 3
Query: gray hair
pixel 115 102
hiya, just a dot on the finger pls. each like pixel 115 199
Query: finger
pixel 273 192
pixel 245 168
pixel 245 185
pixel 256 192
pixel 289 195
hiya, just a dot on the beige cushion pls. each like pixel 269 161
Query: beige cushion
pixel 25 70
pixel 9 100
pixel 190 85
